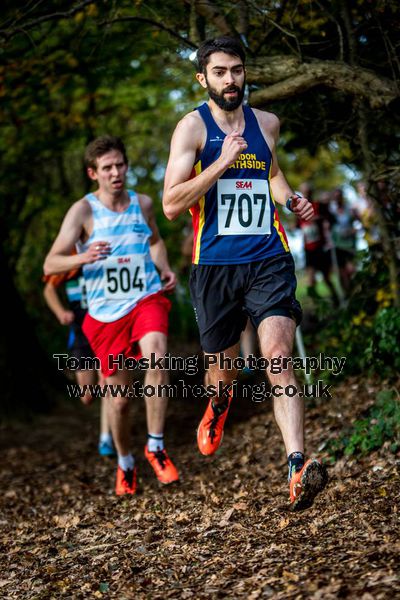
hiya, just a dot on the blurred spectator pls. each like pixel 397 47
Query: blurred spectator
pixel 367 217
pixel 343 237
pixel 316 244
pixel 363 202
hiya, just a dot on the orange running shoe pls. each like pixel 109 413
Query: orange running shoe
pixel 126 481
pixel 307 483
pixel 211 429
pixel 163 466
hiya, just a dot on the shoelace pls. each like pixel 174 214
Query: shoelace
pixel 213 424
pixel 161 457
pixel 128 476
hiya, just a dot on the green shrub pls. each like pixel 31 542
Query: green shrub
pixel 367 330
pixel 379 425
pixel 382 351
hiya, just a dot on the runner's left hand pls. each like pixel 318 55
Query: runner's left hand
pixel 169 281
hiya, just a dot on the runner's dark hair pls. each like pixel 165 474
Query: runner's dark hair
pixel 100 146
pixel 225 44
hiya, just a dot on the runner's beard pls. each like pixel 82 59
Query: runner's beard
pixel 224 103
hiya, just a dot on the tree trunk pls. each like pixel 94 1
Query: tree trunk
pixel 388 249
pixel 29 381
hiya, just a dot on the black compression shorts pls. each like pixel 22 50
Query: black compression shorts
pixel 224 296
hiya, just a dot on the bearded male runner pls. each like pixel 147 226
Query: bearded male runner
pixel 223 169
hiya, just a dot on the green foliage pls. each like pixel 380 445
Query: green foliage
pixel 322 168
pixel 382 351
pixel 367 330
pixel 380 424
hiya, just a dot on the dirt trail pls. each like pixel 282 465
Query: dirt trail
pixel 224 532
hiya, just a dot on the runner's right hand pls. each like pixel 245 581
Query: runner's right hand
pixel 97 251
pixel 66 317
pixel 234 144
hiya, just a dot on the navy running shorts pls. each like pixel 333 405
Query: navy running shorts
pixel 224 296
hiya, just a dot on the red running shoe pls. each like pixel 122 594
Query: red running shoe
pixel 211 429
pixel 307 483
pixel 126 481
pixel 164 468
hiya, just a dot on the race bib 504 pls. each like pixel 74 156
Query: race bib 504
pixel 124 277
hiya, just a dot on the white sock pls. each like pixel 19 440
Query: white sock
pixel 126 462
pixel 106 438
pixel 155 441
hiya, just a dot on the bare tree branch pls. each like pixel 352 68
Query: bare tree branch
pixel 243 18
pixel 339 29
pixel 393 57
pixel 195 33
pixel 8 33
pixel 156 24
pixel 344 10
pixel 289 76
pixel 209 11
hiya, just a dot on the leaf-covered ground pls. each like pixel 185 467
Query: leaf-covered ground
pixel 224 532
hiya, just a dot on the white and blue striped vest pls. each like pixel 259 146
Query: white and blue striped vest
pixel 115 285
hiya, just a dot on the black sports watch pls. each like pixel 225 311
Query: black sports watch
pixel 289 200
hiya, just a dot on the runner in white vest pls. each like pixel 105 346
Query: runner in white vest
pixel 126 270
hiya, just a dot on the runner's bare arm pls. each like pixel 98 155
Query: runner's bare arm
pixel 181 192
pixel 64 316
pixel 280 188
pixel 60 257
pixel 158 250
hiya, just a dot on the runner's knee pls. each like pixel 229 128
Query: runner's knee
pixel 155 347
pixel 87 399
pixel 277 351
pixel 120 404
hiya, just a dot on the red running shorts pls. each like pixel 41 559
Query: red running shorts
pixel 122 336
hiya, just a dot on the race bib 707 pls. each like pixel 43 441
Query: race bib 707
pixel 243 207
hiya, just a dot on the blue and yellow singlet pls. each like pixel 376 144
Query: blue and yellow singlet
pixel 236 221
